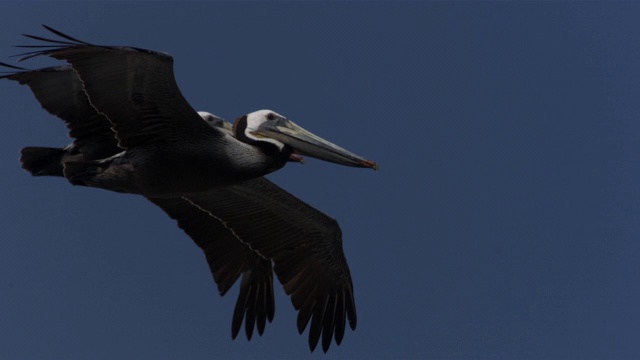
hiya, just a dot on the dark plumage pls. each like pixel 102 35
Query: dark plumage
pixel 134 132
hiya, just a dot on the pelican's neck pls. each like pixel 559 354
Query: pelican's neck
pixel 251 159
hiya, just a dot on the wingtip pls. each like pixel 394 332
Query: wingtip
pixel 313 343
pixel 234 331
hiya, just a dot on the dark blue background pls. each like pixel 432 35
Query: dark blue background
pixel 503 222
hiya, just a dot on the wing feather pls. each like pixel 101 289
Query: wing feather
pixel 59 91
pixel 134 88
pixel 228 258
pixel 304 244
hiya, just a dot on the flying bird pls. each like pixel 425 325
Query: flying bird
pixel 135 133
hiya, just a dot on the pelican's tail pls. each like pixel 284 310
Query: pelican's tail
pixel 42 161
pixel 109 174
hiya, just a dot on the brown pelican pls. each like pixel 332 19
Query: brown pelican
pixel 134 132
pixel 136 90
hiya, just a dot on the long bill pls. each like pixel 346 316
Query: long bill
pixel 305 143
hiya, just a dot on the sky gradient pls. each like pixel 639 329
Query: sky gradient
pixel 503 222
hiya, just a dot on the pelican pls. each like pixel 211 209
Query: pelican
pixel 134 132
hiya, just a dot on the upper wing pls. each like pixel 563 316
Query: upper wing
pixel 59 91
pixel 304 244
pixel 228 258
pixel 134 88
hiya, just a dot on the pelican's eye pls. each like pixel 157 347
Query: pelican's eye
pixel 271 116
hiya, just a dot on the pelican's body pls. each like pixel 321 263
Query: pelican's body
pixel 134 132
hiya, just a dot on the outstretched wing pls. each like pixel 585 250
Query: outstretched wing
pixel 134 88
pixel 304 244
pixel 59 91
pixel 228 258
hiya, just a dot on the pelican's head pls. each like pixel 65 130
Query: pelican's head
pixel 269 129
pixel 214 120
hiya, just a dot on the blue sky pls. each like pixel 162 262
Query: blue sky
pixel 503 222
